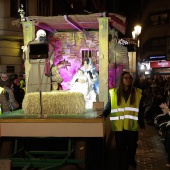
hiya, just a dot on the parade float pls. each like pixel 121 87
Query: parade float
pixel 77 133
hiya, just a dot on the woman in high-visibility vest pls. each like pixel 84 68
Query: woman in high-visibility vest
pixel 125 110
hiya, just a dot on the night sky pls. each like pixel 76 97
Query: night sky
pixel 131 9
pixel 128 8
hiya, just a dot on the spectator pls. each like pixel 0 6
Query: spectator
pixel 166 110
pixel 21 81
pixel 18 92
pixel 13 105
pixel 154 109
pixel 3 78
pixel 4 103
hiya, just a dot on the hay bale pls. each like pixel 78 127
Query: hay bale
pixel 54 103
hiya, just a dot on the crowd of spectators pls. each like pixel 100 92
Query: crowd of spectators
pixel 156 97
pixel 12 91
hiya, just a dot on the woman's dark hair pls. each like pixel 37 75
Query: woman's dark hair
pixel 121 88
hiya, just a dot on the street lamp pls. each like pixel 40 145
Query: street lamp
pixel 135 35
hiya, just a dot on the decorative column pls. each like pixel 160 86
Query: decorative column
pixel 29 35
pixel 103 59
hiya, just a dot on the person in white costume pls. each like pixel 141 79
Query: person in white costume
pixel 79 83
pixel 91 72
pixel 92 75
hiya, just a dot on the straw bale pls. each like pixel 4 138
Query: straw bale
pixel 54 103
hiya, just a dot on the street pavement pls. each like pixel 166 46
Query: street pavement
pixel 151 154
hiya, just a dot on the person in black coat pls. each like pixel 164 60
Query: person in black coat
pixel 18 92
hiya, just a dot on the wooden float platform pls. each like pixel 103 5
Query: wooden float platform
pixel 19 124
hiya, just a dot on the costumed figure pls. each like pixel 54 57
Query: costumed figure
pixel 55 76
pixel 92 74
pixel 79 83
pixel 35 68
pixel 93 82
pixel 40 36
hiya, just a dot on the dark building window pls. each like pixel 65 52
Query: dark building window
pixel 158 44
pixel 68 7
pixel 43 8
pixel 154 45
pixel 14 5
pixel 160 18
pixel 145 47
pixel 60 7
pixel 10 69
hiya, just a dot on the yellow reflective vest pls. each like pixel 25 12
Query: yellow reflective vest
pixel 125 115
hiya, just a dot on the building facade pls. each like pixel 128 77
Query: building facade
pixel 155 37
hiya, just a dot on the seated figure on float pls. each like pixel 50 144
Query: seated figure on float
pixel 88 82
pixel 79 83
